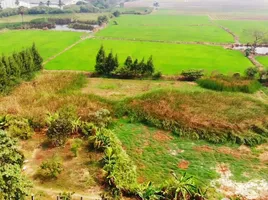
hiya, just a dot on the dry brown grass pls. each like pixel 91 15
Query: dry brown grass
pixel 208 112
pixel 36 98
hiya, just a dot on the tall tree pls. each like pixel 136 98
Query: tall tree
pixel 149 66
pixel 21 10
pixel 17 2
pixel 13 185
pixel 48 3
pixel 60 3
pixel 128 62
pixel 109 64
pixel 14 68
pixel 38 60
pixel 100 61
pixel 3 76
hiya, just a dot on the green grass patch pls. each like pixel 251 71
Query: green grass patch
pixel 263 60
pixel 48 43
pixel 157 153
pixel 168 58
pixel 243 29
pixel 230 84
pixel 166 28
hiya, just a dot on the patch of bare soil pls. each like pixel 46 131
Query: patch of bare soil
pixel 162 136
pixel 203 148
pixel 254 189
pixel 229 151
pixel 264 157
pixel 184 164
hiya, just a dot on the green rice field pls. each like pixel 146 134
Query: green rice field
pixel 244 29
pixel 49 43
pixel 177 28
pixel 168 58
pixel 263 60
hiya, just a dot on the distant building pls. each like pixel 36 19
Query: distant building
pixel 34 3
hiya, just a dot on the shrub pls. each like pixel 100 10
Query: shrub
pixel 116 13
pixel 66 195
pixel 88 129
pixel 230 84
pixel 102 118
pixel 16 126
pixel 157 75
pixel 50 168
pixel 76 145
pixel 59 131
pixel 81 26
pixel 251 72
pixel 192 75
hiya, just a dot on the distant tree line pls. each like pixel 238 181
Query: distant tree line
pixel 109 66
pixel 19 66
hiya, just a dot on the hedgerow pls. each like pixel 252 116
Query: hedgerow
pixel 230 84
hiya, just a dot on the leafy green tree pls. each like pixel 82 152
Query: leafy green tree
pixel 128 62
pixel 38 60
pixel 116 13
pixel 13 185
pixel 141 67
pixel 50 168
pixel 109 64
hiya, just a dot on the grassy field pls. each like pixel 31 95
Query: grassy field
pixel 27 18
pixel 263 60
pixel 166 28
pixel 244 28
pixel 168 58
pixel 156 153
pixel 49 43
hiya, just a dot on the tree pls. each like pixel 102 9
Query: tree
pixel 13 185
pixel 3 76
pixel 149 66
pixel 14 67
pixel 41 3
pixel 251 72
pixel 17 2
pixel 60 3
pixel 48 3
pixel 128 62
pixel 21 10
pixel 141 67
pixel 109 64
pixel 37 59
pixel 258 37
pixel 116 13
pixel 100 61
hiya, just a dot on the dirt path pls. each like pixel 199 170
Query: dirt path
pixel 162 41
pixel 68 48
pixel 255 62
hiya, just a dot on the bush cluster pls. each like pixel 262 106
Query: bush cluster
pixel 16 126
pixel 81 26
pixel 192 75
pixel 108 66
pixel 230 84
pixel 51 168
pixel 19 66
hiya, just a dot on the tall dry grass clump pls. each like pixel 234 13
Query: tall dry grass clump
pixel 47 93
pixel 216 117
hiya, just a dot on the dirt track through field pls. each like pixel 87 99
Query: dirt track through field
pixel 66 49
pixel 162 41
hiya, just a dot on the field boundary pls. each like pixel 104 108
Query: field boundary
pixel 66 49
pixel 162 41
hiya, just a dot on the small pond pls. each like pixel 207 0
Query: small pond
pixel 259 50
pixel 66 28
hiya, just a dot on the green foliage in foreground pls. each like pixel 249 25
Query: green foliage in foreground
pixel 121 174
pixel 13 185
pixel 230 84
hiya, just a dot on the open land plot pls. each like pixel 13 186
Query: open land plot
pixel 166 28
pixel 27 18
pixel 158 153
pixel 168 58
pixel 48 43
pixel 244 29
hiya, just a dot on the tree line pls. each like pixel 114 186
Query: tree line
pixel 109 66
pixel 19 66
